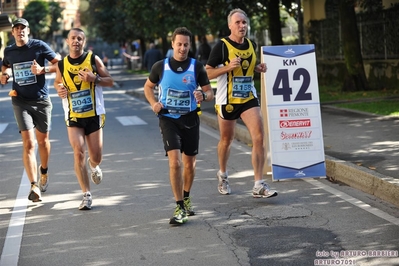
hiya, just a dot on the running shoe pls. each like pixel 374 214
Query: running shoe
pixel 263 191
pixel 34 194
pixel 179 217
pixel 189 208
pixel 86 202
pixel 43 182
pixel 223 186
pixel 97 174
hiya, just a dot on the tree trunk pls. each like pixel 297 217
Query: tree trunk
pixel 300 22
pixel 165 45
pixel 355 79
pixel 273 12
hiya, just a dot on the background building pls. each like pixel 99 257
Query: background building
pixel 15 8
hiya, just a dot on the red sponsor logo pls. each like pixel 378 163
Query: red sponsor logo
pixel 295 123
pixel 283 112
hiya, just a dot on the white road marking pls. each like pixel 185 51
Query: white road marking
pixel 3 127
pixel 131 120
pixel 358 203
pixel 12 243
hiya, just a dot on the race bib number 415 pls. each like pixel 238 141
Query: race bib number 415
pixel 22 74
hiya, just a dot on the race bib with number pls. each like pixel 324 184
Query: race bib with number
pixel 23 75
pixel 178 102
pixel 81 101
pixel 242 87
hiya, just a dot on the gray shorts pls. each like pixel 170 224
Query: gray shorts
pixel 30 114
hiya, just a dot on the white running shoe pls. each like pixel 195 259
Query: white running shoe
pixel 223 186
pixel 263 191
pixel 34 194
pixel 96 175
pixel 43 182
pixel 86 202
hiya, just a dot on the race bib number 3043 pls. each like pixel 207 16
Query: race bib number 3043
pixel 81 101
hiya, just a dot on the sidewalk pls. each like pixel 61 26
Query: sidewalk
pixel 362 150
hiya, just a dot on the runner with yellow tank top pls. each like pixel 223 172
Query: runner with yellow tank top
pixel 236 87
pixel 233 62
pixel 79 81
pixel 85 98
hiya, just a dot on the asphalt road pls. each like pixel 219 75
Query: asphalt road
pixel 309 220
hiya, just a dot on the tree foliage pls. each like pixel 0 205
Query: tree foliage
pixel 119 20
pixel 35 12
pixel 55 11
pixel 43 18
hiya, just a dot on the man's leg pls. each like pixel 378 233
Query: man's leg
pixel 176 182
pixel 253 120
pixel 44 146
pixel 226 129
pixel 43 142
pixel 188 171
pixel 30 164
pixel 95 147
pixel 77 140
pixel 189 163
pixel 28 154
pixel 175 174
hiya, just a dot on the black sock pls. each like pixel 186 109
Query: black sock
pixel 181 203
pixel 43 171
pixel 186 194
pixel 33 183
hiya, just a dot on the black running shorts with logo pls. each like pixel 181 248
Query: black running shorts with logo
pixel 32 114
pixel 89 124
pixel 234 111
pixel 181 134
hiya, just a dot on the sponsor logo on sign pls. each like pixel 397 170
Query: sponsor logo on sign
pixel 295 123
pixel 286 146
pixel 294 112
pixel 296 135
pixel 307 145
pixel 300 173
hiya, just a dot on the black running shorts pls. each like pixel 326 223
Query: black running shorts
pixel 181 133
pixel 89 124
pixel 234 111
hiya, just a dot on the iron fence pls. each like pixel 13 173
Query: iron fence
pixel 378 32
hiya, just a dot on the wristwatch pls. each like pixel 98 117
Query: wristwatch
pixel 204 95
pixel 97 80
pixel 46 69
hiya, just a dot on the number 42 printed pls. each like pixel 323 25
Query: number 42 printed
pixel 291 76
pixel 282 85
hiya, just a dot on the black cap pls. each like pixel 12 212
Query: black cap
pixel 20 21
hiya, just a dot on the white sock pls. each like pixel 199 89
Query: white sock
pixel 91 167
pixel 258 183
pixel 87 193
pixel 224 174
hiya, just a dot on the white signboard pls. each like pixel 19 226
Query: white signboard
pixel 293 111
